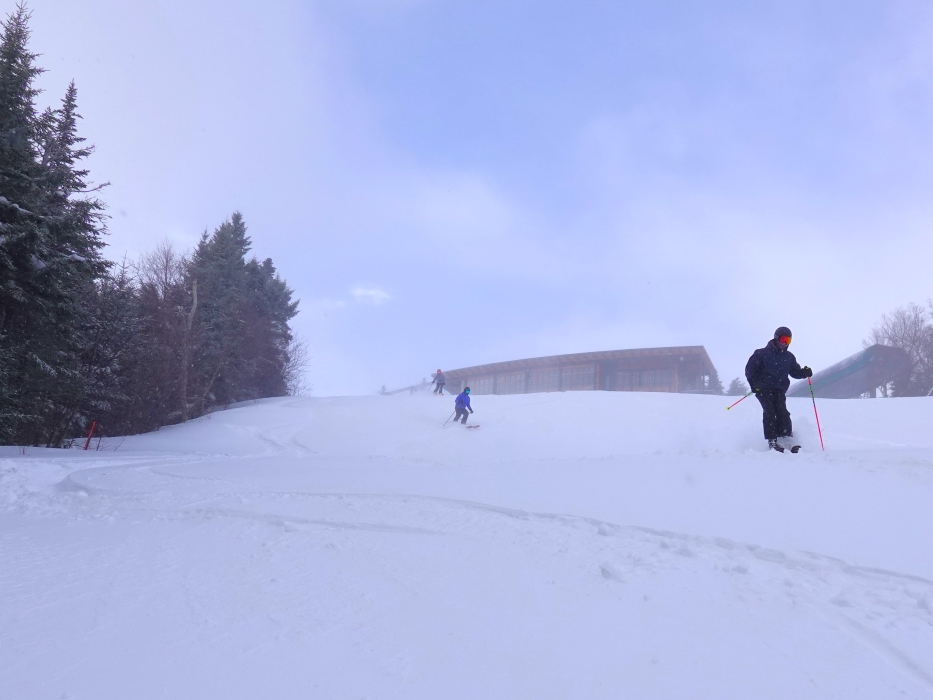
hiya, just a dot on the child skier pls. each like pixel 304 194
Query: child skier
pixel 462 405
pixel 440 381
pixel 766 372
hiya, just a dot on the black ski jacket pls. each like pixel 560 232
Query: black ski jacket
pixel 768 368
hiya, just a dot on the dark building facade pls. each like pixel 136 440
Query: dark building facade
pixel 680 369
pixel 857 375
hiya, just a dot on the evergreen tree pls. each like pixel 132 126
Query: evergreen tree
pixel 219 268
pixel 131 349
pixel 21 217
pixel 243 313
pixel 715 383
pixel 73 273
pixel 267 354
pixel 110 347
pixel 49 249
pixel 737 388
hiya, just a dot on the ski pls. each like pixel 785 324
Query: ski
pixel 778 447
pixel 794 449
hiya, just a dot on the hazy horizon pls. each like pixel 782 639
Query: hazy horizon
pixel 447 184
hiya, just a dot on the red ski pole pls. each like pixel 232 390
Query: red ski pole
pixel 740 400
pixel 819 429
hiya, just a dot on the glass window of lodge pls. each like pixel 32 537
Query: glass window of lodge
pixel 544 380
pixel 578 378
pixel 511 383
pixel 644 380
pixel 482 385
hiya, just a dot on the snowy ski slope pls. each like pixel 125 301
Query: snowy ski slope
pixel 577 545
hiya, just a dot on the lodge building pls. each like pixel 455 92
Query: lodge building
pixel 680 370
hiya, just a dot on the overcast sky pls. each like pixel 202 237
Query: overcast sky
pixel 452 183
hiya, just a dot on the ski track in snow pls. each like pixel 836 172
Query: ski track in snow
pixel 310 570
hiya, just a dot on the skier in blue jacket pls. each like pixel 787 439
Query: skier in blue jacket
pixel 462 405
pixel 766 372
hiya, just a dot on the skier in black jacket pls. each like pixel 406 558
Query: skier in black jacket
pixel 766 372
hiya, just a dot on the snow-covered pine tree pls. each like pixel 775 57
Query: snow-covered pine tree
pixel 74 272
pixel 219 268
pixel 110 348
pixel 78 343
pixel 50 238
pixel 244 309
pixel 22 224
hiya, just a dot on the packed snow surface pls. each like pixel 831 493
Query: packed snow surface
pixel 578 545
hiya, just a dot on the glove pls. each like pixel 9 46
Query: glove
pixel 807 372
pixel 471 410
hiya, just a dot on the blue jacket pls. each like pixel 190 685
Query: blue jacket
pixel 769 366
pixel 463 399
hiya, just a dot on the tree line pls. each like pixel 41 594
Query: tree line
pixel 910 328
pixel 132 346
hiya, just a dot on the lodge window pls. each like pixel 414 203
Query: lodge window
pixel 511 383
pixel 578 378
pixel 644 380
pixel 482 385
pixel 544 380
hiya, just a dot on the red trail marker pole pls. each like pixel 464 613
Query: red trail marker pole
pixel 819 429
pixel 88 441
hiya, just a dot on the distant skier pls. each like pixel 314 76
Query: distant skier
pixel 766 372
pixel 462 405
pixel 440 381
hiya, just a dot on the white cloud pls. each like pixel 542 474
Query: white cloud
pixel 372 295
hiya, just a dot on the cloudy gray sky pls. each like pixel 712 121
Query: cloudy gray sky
pixel 451 183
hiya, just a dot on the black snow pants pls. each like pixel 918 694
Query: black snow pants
pixel 439 389
pixel 462 411
pixel 776 418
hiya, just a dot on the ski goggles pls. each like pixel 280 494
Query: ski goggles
pixel 784 340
